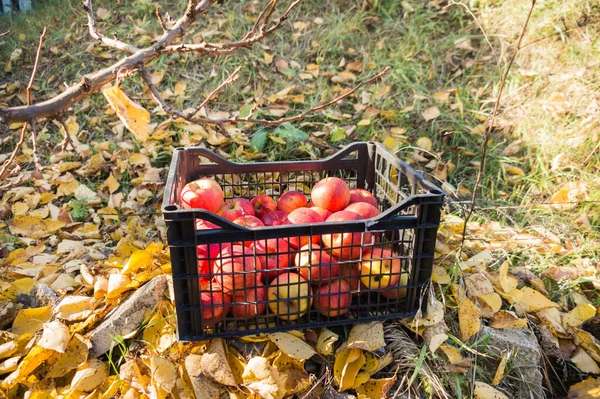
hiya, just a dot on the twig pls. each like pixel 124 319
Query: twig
pixel 115 43
pixel 8 162
pixel 488 131
pixel 230 79
pixel 161 21
pixel 4 33
pixel 264 122
pixel 67 140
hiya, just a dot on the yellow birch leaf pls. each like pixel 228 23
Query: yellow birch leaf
pixel 74 308
pixel 360 379
pixel 164 373
pixel 135 118
pixel 552 318
pixel 55 336
pixel 451 353
pixel 500 371
pixel 325 341
pixel 36 356
pixel 507 319
pixel 469 319
pixel 117 285
pixel 580 314
pixel 356 359
pixel 586 389
pixel 293 346
pixel 366 336
pixel 508 283
pixel 371 362
pixel 375 389
pixel 341 359
pixel 34 227
pixel 485 391
pixel 440 275
pixel 513 170
pixel 238 364
pixel 424 143
pixel 587 341
pixel 31 320
pixel 9 365
pixel 584 362
pixel 74 356
pixel 138 260
pixel 528 300
pixel 89 376
pixel 214 363
pixel 430 113
pixel 112 184
pixel 493 300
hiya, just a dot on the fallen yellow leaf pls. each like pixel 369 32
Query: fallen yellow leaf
pixel 469 319
pixel 485 391
pixel 135 118
pixel 31 320
pixel 375 389
pixel 292 346
pixel 580 314
pixel 584 362
pixel 586 389
pixel 500 371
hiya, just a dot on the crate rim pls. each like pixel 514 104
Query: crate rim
pixel 174 211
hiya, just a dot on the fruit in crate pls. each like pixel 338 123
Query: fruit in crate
pixel 248 221
pixel 290 296
pixel 316 265
pixel 291 200
pixel 396 292
pixel 323 212
pixel 333 299
pixel 207 255
pixel 345 246
pixel 275 218
pixel 351 273
pixel 363 209
pixel 202 194
pixel 263 204
pixel 274 255
pixel 235 208
pixel 331 193
pixel 380 268
pixel 304 216
pixel 215 303
pixel 235 269
pixel 362 195
pixel 249 304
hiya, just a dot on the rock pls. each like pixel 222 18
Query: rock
pixel 8 311
pixel 527 357
pixel 39 296
pixel 128 316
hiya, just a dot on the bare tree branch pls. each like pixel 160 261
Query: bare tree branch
pixel 4 33
pixel 115 43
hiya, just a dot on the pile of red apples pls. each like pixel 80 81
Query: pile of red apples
pixel 291 274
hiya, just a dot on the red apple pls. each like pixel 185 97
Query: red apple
pixel 235 269
pixel 345 246
pixel 331 193
pixel 274 255
pixel 304 216
pixel 380 268
pixel 203 194
pixel 275 218
pixel 263 204
pixel 333 299
pixel 351 273
pixel 364 210
pixel 362 195
pixel 215 303
pixel 205 225
pixel 291 200
pixel 316 265
pixel 235 208
pixel 248 305
pixel 396 292
pixel 323 212
pixel 250 222
pixel 207 255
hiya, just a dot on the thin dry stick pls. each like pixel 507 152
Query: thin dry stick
pixel 488 131
pixel 9 161
pixel 4 33
pixel 230 79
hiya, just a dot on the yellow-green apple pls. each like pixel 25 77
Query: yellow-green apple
pixel 362 195
pixel 396 292
pixel 236 269
pixel 291 200
pixel 263 204
pixel 203 194
pixel 333 299
pixel 316 265
pixel 380 268
pixel 321 211
pixel 274 255
pixel 363 209
pixel 345 246
pixel 275 218
pixel 331 193
pixel 235 208
pixel 304 216
pixel 215 303
pixel 251 303
pixel 290 296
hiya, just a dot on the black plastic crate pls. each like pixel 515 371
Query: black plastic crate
pixel 404 233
